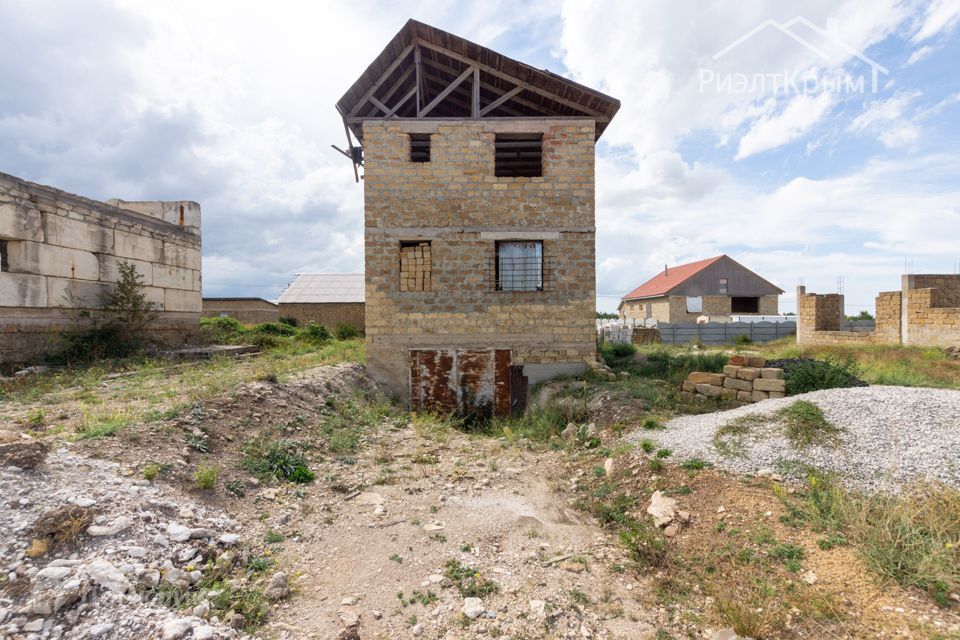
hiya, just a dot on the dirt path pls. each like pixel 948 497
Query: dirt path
pixel 475 504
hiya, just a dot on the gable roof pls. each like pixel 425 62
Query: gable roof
pixel 324 287
pixel 426 69
pixel 670 278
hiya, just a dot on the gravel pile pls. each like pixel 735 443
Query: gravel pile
pixel 889 436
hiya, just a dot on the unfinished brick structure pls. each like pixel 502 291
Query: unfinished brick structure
pixel 330 299
pixel 243 310
pixel 925 312
pixel 59 254
pixel 479 221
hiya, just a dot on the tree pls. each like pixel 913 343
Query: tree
pixel 128 303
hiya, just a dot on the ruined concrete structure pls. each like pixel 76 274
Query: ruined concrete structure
pixel 243 310
pixel 59 254
pixel 479 221
pixel 714 287
pixel 925 312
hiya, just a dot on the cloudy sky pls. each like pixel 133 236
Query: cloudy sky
pixel 747 128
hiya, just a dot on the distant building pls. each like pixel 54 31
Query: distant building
pixel 717 286
pixel 330 299
pixel 243 310
pixel 59 257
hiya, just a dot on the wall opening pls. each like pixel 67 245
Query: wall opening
pixel 415 266
pixel 744 305
pixel 419 147
pixel 723 286
pixel 518 155
pixel 4 259
pixel 519 265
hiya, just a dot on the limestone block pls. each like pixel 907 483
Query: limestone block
pixel 756 361
pixel 737 361
pixel 172 277
pixel 729 394
pixel 745 396
pixel 20 221
pixel 76 294
pixel 731 370
pixel 109 271
pixel 777 394
pixel 688 386
pixel 756 396
pixel 22 290
pixel 699 377
pixel 748 373
pixel 48 260
pixel 769 384
pixel 177 300
pixel 77 234
pixel 155 296
pixel 131 245
pixel 177 255
pixel 771 372
pixel 710 390
pixel 736 383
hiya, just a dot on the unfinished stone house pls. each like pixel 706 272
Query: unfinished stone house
pixel 479 220
pixel 330 299
pixel 716 287
pixel 59 254
pixel 925 312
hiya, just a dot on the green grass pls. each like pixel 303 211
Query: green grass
pixel 468 581
pixel 805 425
pixel 276 459
pixel 102 424
pixel 206 476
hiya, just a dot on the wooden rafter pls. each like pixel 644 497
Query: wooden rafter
pixel 499 101
pixel 383 78
pixel 443 94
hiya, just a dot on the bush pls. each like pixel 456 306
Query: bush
pixel 106 342
pixel 274 329
pixel 221 331
pixel 206 476
pixel 316 332
pixel 346 332
pixel 805 374
pixel 288 320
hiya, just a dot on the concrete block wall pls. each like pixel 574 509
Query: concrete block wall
pixel 455 202
pixel 329 314
pixel 60 257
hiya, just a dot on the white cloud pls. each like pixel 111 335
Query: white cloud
pixel 796 119
pixel 888 120
pixel 920 54
pixel 941 15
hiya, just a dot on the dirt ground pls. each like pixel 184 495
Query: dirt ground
pixel 406 518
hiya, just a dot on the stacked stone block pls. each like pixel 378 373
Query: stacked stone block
pixel 329 314
pixel 743 380
pixel 60 258
pixel 415 266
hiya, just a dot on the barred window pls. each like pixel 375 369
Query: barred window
pixel 519 266
pixel 4 260
pixel 419 147
pixel 518 155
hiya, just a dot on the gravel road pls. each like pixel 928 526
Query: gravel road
pixel 889 436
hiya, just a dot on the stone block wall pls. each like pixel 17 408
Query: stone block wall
pixel 243 310
pixel 457 204
pixel 329 314
pixel 59 255
pixel 742 380
pixel 917 315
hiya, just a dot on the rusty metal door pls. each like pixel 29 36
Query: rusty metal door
pixel 518 389
pixel 467 381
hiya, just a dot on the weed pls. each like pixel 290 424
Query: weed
pixel 695 464
pixel 466 548
pixel 198 443
pixel 151 472
pixel 656 465
pixel 236 488
pixel 206 476
pixel 746 616
pixel 468 581
pixel 652 424
pixel 811 375
pixel 273 537
pixel 805 424
pixel 646 544
pixel 101 425
pixel 277 459
pixel 346 332
pixel 397 558
pixel 664 453
pixel 579 597
pixel 647 445
pixel 36 418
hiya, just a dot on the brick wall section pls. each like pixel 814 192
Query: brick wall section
pixel 329 314
pixel 243 311
pixel 62 257
pixel 457 203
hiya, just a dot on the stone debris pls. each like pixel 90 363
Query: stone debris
pixel 472 608
pixel 662 508
pixel 21 450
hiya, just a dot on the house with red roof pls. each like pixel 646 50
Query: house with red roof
pixel 716 287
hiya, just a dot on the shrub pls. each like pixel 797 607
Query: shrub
pixel 346 332
pixel 206 476
pixel 288 320
pixel 316 332
pixel 221 330
pixel 804 374
pixel 274 329
pixel 151 472
pixel 742 339
pixel 646 544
